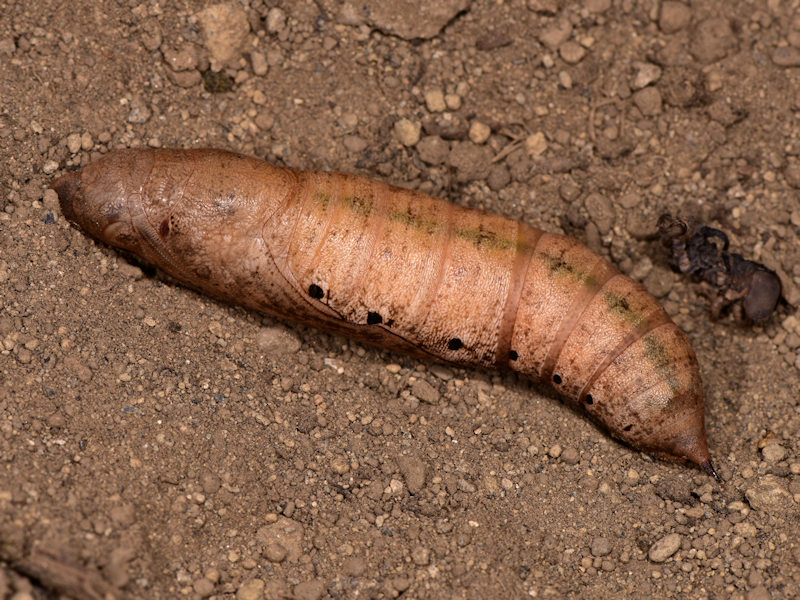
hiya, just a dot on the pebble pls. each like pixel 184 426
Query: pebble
pixel 570 456
pixel 259 63
pixel 659 281
pixel 355 144
pixel 674 16
pixel 421 556
pixel 412 19
pixel 274 553
pixel 769 495
pixel 340 464
pixel 413 471
pixel 354 566
pixel 276 20
pixel 648 100
pixel 498 178
pixel 74 143
pixel 646 74
pixel 453 101
pixel 554 451
pixel 139 112
pixel 601 212
pixel 50 167
pixel 434 100
pixel 773 453
pixel 601 547
pixel 252 589
pixel 407 131
pixel 277 340
pixel 203 587
pixel 479 132
pixel 225 29
pixel 712 39
pixel 180 60
pixel 536 144
pixel 472 162
pixel 286 533
pixel 433 150
pixel 555 35
pixel 597 6
pixel 759 593
pixel 786 56
pixel 425 392
pixel 309 590
pixel 572 52
pixel 664 548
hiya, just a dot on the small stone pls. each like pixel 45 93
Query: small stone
pixel 646 74
pixel 498 178
pixel 453 101
pixel 284 532
pixel 535 144
pixel 601 212
pixel 183 59
pixel 433 150
pixel 570 456
pixel 471 161
pixel 82 371
pixel 340 464
pixel 659 281
pixel 421 556
pixel 572 52
pixel 87 143
pixel 759 593
pixel 203 587
pixel 773 453
pixel 354 566
pixel 274 553
pixel 252 589
pixel 276 20
pixel 408 132
pixel 185 79
pixel 597 6
pixel 50 167
pixel 425 392
pixel 664 548
pixel 413 471
pixel 554 451
pixel 259 63
pixel 674 16
pixel 786 56
pixel 601 547
pixel 769 495
pixel 712 39
pixel 7 46
pixel 479 132
pixel 74 143
pixel 648 100
pixel 225 29
pixel 309 590
pixel 434 100
pixel 355 144
pixel 555 35
pixel 139 112
pixel 277 340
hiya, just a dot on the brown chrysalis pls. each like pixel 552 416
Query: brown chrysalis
pixel 400 269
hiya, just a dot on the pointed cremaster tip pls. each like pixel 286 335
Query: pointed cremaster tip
pixel 709 468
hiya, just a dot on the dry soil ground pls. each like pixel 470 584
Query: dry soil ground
pixel 156 444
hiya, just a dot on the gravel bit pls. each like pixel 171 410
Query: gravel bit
pixel 664 548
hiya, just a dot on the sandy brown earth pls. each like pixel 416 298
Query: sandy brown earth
pixel 157 444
